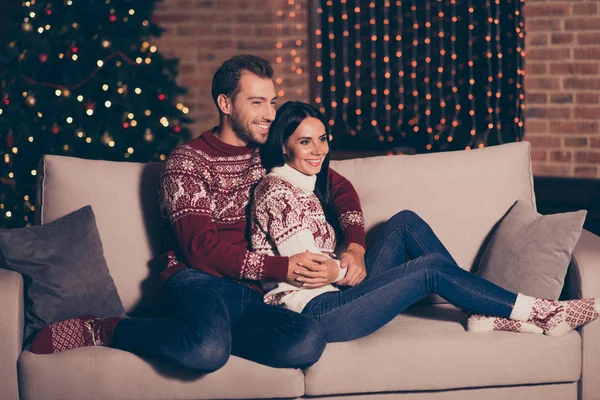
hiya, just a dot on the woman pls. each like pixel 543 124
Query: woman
pixel 292 212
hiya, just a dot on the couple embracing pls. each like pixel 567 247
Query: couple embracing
pixel 256 220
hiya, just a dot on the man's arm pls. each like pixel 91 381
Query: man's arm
pixel 185 201
pixel 347 206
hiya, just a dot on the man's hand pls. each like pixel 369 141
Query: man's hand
pixel 303 263
pixel 353 259
pixel 316 276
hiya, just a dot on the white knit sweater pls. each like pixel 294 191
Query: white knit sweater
pixel 287 219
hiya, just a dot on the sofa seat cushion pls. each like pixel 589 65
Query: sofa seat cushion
pixel 105 373
pixel 427 348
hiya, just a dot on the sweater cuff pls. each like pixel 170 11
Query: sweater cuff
pixel 355 234
pixel 277 268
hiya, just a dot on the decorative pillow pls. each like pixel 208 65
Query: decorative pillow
pixel 64 269
pixel 530 253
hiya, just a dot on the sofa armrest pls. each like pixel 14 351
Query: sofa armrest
pixel 11 330
pixel 584 282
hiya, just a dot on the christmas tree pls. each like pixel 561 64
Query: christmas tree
pixel 82 78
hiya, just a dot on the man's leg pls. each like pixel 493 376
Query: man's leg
pixel 200 338
pixel 277 337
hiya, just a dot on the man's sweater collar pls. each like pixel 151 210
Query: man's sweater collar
pixel 295 177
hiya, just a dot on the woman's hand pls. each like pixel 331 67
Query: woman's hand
pixel 353 259
pixel 317 275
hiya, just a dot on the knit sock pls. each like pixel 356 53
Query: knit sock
pixel 487 323
pixel 556 318
pixel 73 333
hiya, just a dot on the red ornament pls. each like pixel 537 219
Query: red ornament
pixel 55 129
pixel 125 125
pixel 112 18
pixel 161 97
pixel 6 101
pixel 43 57
pixel 177 128
pixel 74 49
pixel 49 11
pixel 90 106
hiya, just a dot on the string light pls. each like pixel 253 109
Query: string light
pixel 387 73
pixel 488 86
pixel 471 78
pixel 346 67
pixel 374 94
pixel 358 70
pixel 499 80
pixel 319 62
pixel 413 75
pixel 427 78
pixel 440 75
pixel 400 63
pixel 332 55
pixel 520 71
pixel 453 56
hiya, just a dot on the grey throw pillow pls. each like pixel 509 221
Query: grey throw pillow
pixel 529 253
pixel 64 270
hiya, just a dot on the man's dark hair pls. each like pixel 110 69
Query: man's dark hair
pixel 227 78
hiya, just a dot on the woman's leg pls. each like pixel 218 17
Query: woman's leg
pixel 362 309
pixel 405 236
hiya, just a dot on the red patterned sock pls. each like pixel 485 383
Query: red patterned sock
pixel 486 323
pixel 73 333
pixel 557 318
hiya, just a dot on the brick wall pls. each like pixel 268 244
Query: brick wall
pixel 563 87
pixel 204 33
pixel 562 62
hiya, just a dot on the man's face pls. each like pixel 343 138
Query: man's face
pixel 253 109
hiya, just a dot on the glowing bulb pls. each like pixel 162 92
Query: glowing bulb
pixel 138 90
pixel 107 103
pixel 100 63
pixel 111 143
pixel 57 92
pixel 69 120
pixel 89 111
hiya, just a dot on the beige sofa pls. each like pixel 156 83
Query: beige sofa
pixel 423 354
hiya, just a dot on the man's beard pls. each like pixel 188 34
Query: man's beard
pixel 242 131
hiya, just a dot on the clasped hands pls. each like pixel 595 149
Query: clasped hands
pixel 312 270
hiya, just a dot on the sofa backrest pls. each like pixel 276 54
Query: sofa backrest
pixel 461 194
pixel 124 198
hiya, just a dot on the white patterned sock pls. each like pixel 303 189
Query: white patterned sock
pixel 486 323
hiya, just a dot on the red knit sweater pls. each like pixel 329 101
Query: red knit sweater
pixel 204 192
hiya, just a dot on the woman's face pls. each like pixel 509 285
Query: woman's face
pixel 307 147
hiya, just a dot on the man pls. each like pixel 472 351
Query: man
pixel 206 186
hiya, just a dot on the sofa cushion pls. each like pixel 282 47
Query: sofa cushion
pixel 64 269
pixel 529 253
pixel 427 348
pixel 115 374
pixel 461 194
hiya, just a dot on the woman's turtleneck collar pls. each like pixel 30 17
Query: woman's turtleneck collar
pixel 218 144
pixel 295 177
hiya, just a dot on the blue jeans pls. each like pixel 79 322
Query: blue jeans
pixel 406 263
pixel 217 317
